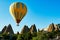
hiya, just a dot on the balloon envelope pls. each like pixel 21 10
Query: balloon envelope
pixel 18 10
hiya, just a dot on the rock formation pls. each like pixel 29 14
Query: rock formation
pixel 33 29
pixel 8 29
pixel 56 27
pixel 51 28
pixel 25 29
pixel 3 30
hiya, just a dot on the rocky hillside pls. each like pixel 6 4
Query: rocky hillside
pixel 7 29
pixel 52 33
pixel 32 29
pixel 25 29
pixel 53 27
pixel 3 30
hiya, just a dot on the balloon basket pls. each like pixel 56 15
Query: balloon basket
pixel 17 24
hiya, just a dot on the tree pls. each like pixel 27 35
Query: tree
pixel 42 36
pixel 20 37
pixel 14 36
pixel 25 36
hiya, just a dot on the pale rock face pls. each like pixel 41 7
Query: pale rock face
pixel 53 27
pixel 45 29
pixel 56 27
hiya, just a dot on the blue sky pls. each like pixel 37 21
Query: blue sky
pixel 40 12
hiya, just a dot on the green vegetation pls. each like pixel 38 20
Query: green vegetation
pixel 26 36
pixel 40 35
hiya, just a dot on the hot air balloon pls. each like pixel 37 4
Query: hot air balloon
pixel 18 10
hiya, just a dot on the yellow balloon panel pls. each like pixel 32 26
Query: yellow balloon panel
pixel 18 11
